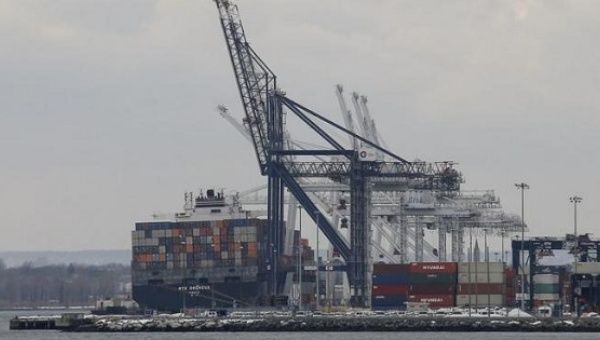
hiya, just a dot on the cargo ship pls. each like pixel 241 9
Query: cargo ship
pixel 210 255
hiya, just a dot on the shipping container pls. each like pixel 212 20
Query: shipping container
pixel 433 267
pixel 390 290
pixel 546 288
pixel 480 267
pixel 547 270
pixel 389 268
pixel 481 278
pixel 479 300
pixel 546 278
pixel 435 289
pixel 481 288
pixel 586 267
pixel 379 302
pixel 390 279
pixel 432 278
pixel 434 301
pixel 546 297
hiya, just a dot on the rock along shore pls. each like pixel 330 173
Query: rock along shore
pixel 339 324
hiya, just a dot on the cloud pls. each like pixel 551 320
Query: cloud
pixel 113 101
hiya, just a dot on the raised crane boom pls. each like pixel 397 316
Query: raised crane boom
pixel 346 114
pixel 254 79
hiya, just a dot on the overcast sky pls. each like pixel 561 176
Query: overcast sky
pixel 108 107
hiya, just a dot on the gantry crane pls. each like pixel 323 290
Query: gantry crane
pixel 264 104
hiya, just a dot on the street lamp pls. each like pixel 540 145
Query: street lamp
pixel 317 214
pixel 522 186
pixel 575 200
pixel 300 251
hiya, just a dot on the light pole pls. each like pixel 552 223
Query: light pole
pixel 575 200
pixel 318 213
pixel 487 265
pixel 300 260
pixel 522 186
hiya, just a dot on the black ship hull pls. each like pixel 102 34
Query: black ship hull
pixel 173 298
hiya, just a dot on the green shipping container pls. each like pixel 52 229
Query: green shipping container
pixel 546 288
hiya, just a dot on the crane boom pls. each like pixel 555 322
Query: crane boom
pixel 346 114
pixel 360 117
pixel 254 79
pixel 224 112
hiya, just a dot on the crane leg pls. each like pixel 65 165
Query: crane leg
pixel 418 242
pixel 442 242
pixel 359 238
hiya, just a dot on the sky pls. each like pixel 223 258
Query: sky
pixel 107 108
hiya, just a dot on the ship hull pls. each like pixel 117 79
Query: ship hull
pixel 174 298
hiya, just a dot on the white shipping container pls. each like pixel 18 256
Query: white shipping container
pixel 189 240
pixel 479 300
pixel 546 278
pixel 162 249
pixel 546 297
pixel 481 267
pixel 481 278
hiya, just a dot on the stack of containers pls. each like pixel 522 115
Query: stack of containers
pixel 390 286
pixel 510 284
pixel 433 283
pixel 546 285
pixel 486 280
pixel 198 244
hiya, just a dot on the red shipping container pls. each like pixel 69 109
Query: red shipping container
pixel 432 289
pixel 481 288
pixel 381 268
pixel 389 290
pixel 434 301
pixel 433 267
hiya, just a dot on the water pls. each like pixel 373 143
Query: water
pixel 7 334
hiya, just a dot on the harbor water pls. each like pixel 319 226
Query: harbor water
pixel 7 334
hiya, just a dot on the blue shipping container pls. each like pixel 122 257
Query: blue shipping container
pixel 389 302
pixel 390 279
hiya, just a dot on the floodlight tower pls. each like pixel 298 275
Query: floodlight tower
pixel 522 186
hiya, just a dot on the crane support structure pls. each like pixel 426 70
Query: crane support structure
pixel 264 105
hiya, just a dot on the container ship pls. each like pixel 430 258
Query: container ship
pixel 211 255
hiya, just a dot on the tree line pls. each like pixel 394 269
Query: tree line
pixel 61 285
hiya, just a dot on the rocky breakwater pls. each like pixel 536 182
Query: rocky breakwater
pixel 339 324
